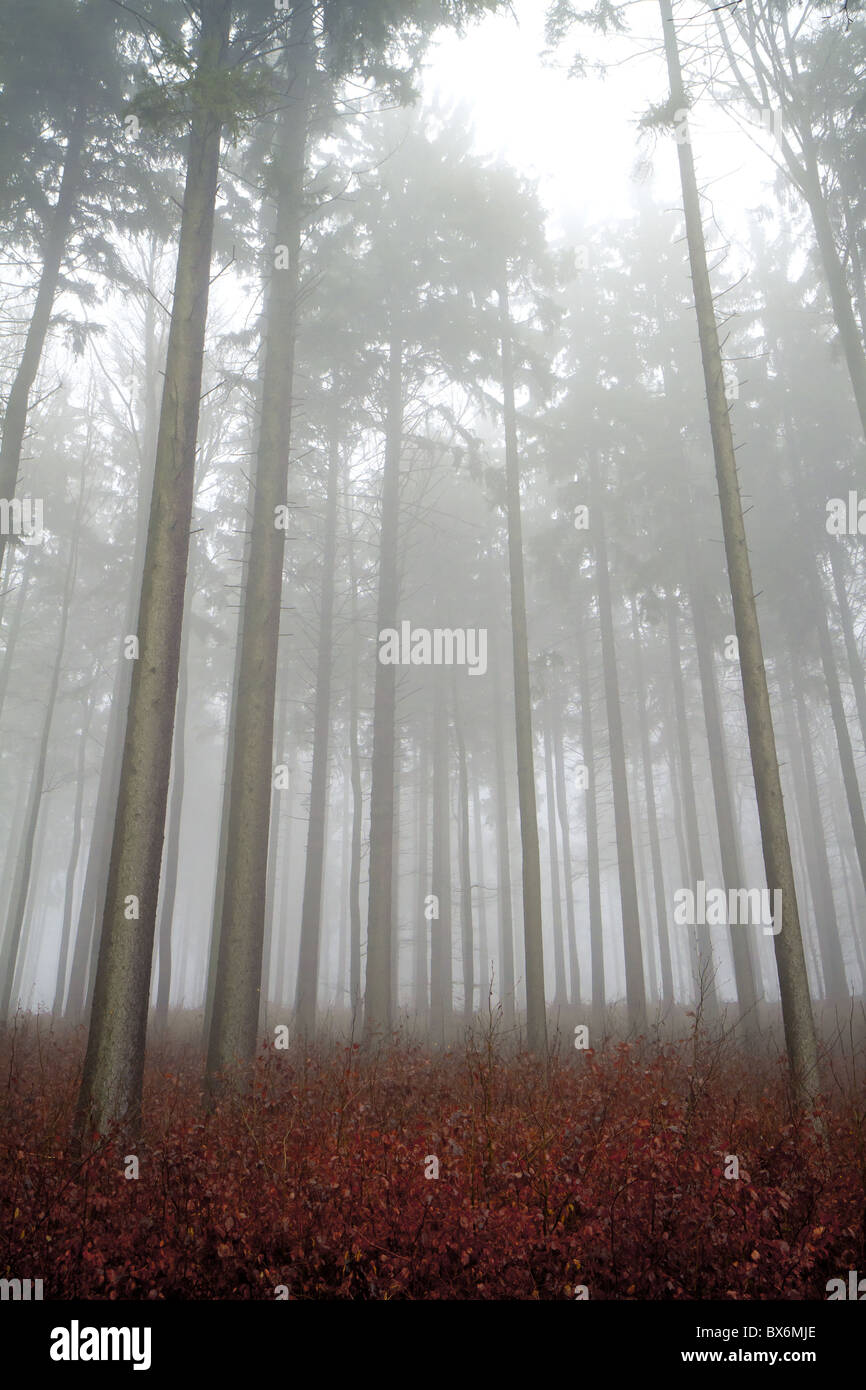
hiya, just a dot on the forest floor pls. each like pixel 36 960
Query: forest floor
pixel 609 1174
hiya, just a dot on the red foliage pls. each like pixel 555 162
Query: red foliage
pixel 601 1169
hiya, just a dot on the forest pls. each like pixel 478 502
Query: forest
pixel 432 641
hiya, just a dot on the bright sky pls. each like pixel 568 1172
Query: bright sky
pixel 579 136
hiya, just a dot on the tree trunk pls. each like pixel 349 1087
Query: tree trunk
pixel 74 852
pixel 659 898
pixel 466 933
pixel 308 959
pixel 168 886
pixel 565 835
pixel 483 938
pixel 440 924
pixel 422 954
pixel 732 870
pixel 701 949
pixel 237 988
pixel 790 960
pixel 503 866
pixel 593 874
pixel 536 1018
pixel 855 661
pixel 378 1002
pixel 114 1064
pixel 18 903
pixel 561 991
pixel 632 950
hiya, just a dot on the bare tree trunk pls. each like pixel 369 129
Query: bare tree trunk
pixel 308 960
pixel 565 835
pixel 561 991
pixel 18 903
pixel 168 885
pixel 503 867
pixel 790 960
pixel 422 987
pixel 483 938
pixel 593 875
pixel 701 948
pixel 840 726
pixel 355 984
pixel 466 933
pixel 74 854
pixel 536 1018
pixel 659 898
pixel 378 1003
pixel 114 1064
pixel 817 864
pixel 632 950
pixel 440 924
pixel 732 871
pixel 855 661
pixel 237 989
pixel 92 905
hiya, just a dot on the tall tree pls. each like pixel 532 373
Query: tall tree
pixel 114 1064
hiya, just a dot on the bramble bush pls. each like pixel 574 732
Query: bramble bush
pixel 604 1169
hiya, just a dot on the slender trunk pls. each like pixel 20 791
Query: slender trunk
pixel 168 886
pixel 466 932
pixel 790 960
pixel 440 923
pixel 565 836
pixel 701 948
pixel 536 1019
pixel 732 871
pixel 114 1064
pixel 503 869
pixel 311 911
pixel 355 984
pixel 18 903
pixel 852 650
pixel 92 905
pixel 634 976
pixel 659 897
pixel 840 726
pixel 422 954
pixel 74 853
pixel 378 1002
pixel 237 988
pixel 815 842
pixel 483 938
pixel 561 990
pixel 593 873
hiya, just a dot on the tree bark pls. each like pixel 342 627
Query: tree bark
pixel 790 960
pixel 311 911
pixel 632 949
pixel 378 1003
pixel 237 988
pixel 114 1064
pixel 536 1018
